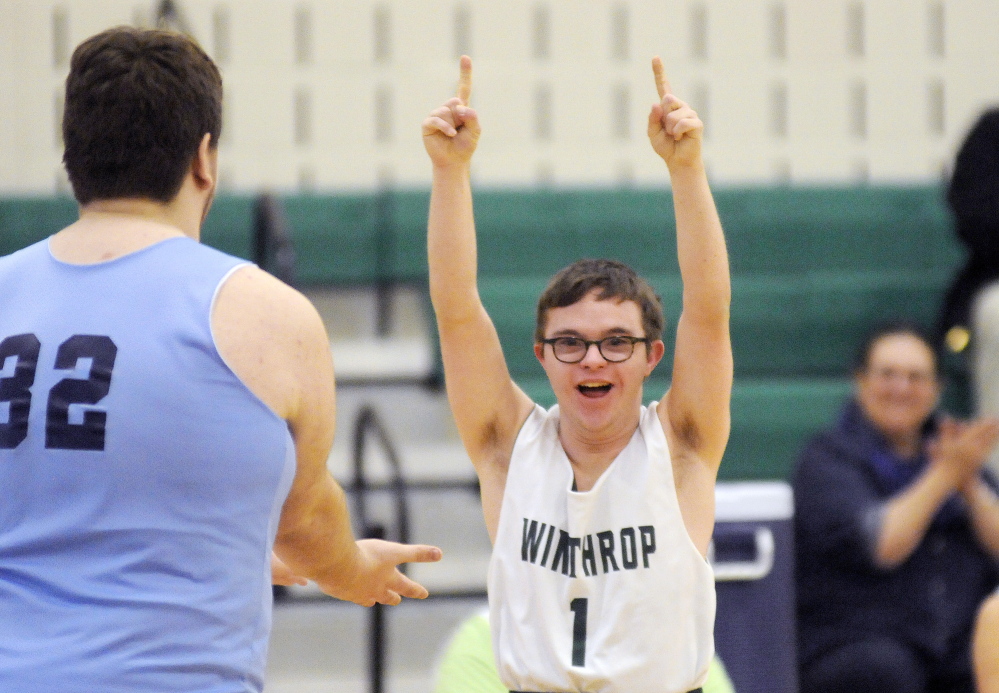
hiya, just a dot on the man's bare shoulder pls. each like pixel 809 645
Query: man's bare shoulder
pixel 260 308
pixel 255 291
pixel 269 334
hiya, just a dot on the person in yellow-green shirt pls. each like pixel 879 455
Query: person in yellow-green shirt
pixel 467 665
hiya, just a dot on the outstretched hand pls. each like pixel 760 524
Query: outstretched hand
pixel 377 579
pixel 674 128
pixel 451 132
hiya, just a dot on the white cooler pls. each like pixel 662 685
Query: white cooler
pixel 752 553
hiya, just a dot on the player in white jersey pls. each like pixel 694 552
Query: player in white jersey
pixel 600 510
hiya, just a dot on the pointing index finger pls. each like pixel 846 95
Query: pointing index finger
pixel 662 84
pixel 465 80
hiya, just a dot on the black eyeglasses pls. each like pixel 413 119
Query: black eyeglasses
pixel 615 349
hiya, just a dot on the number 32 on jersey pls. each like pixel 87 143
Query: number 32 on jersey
pixel 18 366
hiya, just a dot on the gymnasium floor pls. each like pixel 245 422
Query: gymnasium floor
pixel 319 645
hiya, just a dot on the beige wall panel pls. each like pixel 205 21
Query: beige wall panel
pixel 971 28
pixel 890 163
pixel 817 106
pixel 502 32
pixel 896 32
pixel 600 93
pixel 739 33
pixel 816 30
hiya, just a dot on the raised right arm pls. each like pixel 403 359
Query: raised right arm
pixel 488 407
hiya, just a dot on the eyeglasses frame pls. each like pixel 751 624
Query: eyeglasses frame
pixel 590 342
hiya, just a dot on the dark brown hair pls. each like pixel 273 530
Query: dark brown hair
pixel 138 103
pixel 612 280
pixel 862 359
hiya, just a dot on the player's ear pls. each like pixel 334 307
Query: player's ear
pixel 539 352
pixel 205 163
pixel 656 351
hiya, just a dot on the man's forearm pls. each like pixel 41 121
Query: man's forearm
pixel 316 540
pixel 451 246
pixel 701 251
pixel 908 515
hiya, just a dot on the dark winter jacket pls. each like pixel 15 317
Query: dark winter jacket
pixel 843 480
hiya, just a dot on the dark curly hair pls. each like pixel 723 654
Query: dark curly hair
pixel 862 358
pixel 138 103
pixel 613 280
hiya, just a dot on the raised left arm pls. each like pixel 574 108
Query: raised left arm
pixel 697 406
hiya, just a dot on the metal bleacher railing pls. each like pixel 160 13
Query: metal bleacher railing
pixel 368 424
pixel 368 428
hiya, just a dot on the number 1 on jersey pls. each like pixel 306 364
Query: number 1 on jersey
pixel 578 607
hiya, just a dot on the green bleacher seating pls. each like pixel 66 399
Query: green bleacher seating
pixel 812 270
pixel 336 238
pixel 229 225
pixel 782 325
pixel 771 418
pixel 25 220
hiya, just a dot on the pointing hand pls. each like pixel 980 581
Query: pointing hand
pixel 674 128
pixel 451 132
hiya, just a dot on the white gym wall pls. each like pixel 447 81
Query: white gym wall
pixel 329 95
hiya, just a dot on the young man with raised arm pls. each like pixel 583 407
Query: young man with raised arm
pixel 600 510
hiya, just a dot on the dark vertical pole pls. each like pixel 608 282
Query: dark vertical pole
pixel 367 422
pixel 376 633
pixel 273 247
pixel 376 619
pixel 169 16
pixel 383 258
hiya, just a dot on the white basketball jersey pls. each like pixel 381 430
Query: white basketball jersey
pixel 601 591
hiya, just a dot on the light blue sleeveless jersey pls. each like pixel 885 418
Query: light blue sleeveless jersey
pixel 140 480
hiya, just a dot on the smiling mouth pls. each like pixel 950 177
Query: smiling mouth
pixel 594 390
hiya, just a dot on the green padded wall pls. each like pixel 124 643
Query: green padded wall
pixel 229 225
pixel 771 419
pixel 25 220
pixel 812 270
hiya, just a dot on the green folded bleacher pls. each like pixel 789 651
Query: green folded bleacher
pixel 813 269
pixel 25 220
pixel 229 225
pixel 771 418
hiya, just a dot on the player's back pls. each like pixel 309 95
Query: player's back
pixel 142 480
